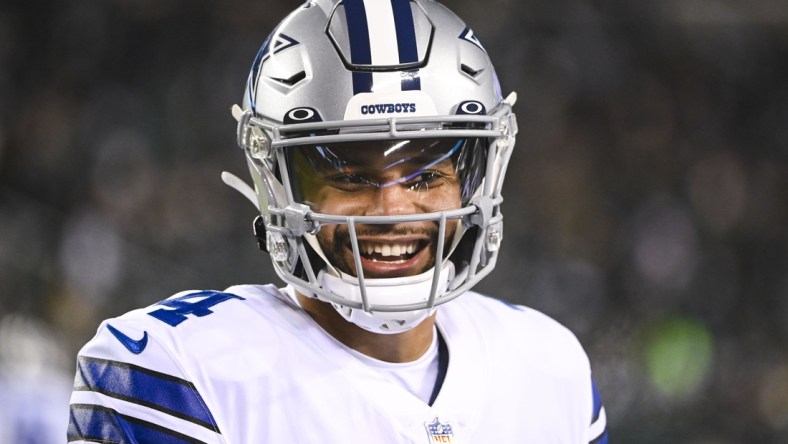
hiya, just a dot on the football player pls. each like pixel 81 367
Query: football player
pixel 377 139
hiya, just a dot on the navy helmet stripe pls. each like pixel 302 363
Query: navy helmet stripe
pixel 406 42
pixel 360 51
pixel 362 82
pixel 358 32
pixel 159 391
pixel 410 80
pixel 406 31
pixel 101 424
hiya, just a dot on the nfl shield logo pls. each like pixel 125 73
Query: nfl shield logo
pixel 439 432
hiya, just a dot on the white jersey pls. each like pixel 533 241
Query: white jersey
pixel 247 365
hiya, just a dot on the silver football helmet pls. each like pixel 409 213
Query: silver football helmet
pixel 377 140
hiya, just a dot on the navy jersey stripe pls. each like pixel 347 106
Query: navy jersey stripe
pixel 597 401
pixel 102 424
pixel 159 391
pixel 360 51
pixel 510 304
pixel 443 367
pixel 602 438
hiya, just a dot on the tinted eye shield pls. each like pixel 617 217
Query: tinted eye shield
pixel 266 142
pixel 381 164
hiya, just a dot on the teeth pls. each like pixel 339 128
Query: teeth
pixel 387 250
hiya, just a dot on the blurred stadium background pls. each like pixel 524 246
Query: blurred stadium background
pixel 647 201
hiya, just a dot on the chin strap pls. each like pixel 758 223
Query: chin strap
pixel 242 187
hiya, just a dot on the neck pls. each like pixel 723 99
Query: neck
pixel 401 347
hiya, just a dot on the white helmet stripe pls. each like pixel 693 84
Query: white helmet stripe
pixel 387 19
pixel 384 49
pixel 380 20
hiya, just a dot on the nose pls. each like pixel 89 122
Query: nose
pixel 394 199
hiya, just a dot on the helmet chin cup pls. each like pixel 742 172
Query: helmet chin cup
pixel 386 292
pixel 384 323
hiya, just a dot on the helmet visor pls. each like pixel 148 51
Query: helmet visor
pixel 387 177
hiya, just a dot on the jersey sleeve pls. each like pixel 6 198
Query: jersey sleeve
pixel 597 431
pixel 129 388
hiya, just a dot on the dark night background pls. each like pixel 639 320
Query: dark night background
pixel 646 203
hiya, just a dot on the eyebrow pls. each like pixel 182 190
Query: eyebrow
pixel 424 168
pixel 330 159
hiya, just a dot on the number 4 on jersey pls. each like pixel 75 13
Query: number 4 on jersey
pixel 186 304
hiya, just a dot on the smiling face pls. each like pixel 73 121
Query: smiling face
pixel 383 178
